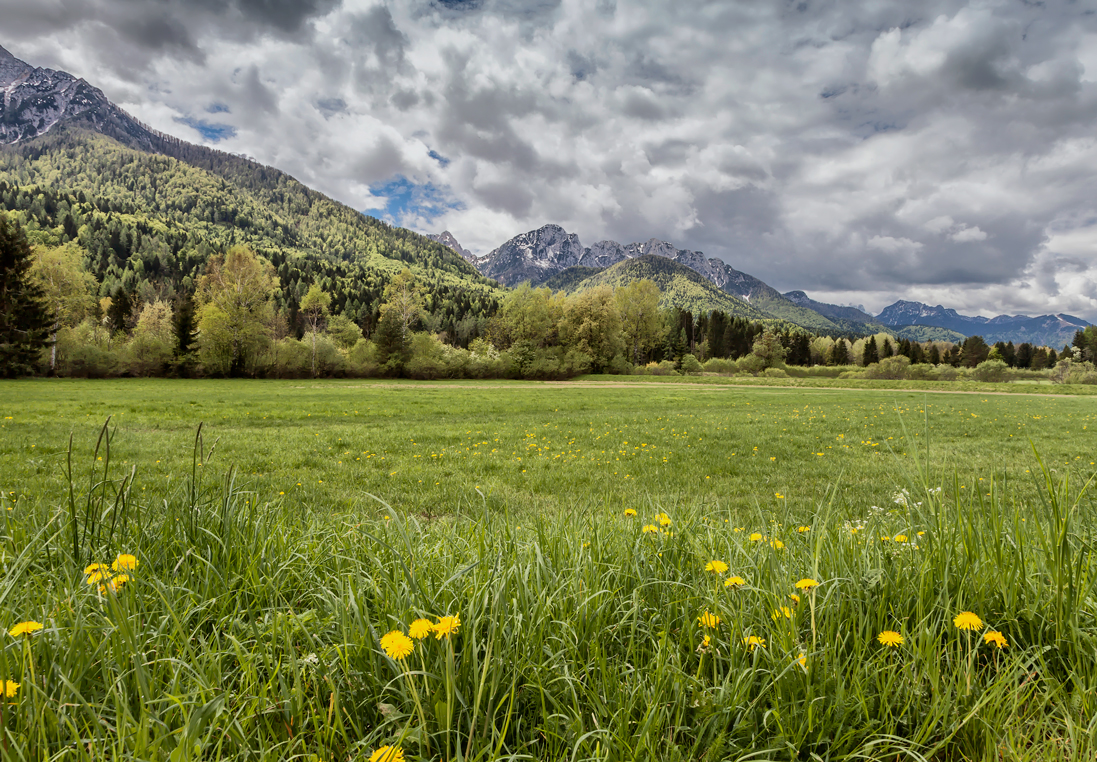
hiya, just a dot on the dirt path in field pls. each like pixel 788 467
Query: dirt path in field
pixel 687 385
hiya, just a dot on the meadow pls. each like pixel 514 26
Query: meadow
pixel 632 566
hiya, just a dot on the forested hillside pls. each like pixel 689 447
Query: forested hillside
pixel 149 223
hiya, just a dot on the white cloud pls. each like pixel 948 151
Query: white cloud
pixel 863 148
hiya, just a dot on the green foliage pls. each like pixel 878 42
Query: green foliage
pixel 149 223
pixel 234 312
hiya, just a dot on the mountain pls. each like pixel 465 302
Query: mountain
pixel 681 286
pixel 1045 330
pixel 150 209
pixel 539 255
pixel 446 239
pixel 832 311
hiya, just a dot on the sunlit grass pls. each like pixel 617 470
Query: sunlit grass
pixel 251 624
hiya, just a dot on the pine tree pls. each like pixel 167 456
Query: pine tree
pixel 25 320
pixel 839 355
pixel 871 354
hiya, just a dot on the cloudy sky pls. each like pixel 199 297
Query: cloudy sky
pixel 860 150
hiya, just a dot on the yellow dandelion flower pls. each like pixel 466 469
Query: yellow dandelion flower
pixel 630 511
pixel 25 628
pixel 776 544
pixel 420 628
pixel 966 620
pixel 890 638
pixel 753 641
pixel 795 598
pixel 782 611
pixel 802 529
pixel 716 567
pixel 806 584
pixel 664 520
pixel 996 638
pixel 397 645
pixel 650 529
pixel 387 754
pixel 114 584
pixel 756 537
pixel 803 660
pixel 884 538
pixel 96 573
pixel 900 538
pixel 447 625
pixel 124 562
pixel 709 620
pixel 11 688
pixel 734 582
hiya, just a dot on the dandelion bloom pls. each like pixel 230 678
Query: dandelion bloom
pixel 420 628
pixel 664 520
pixel 996 638
pixel 25 628
pixel 96 573
pixel 795 598
pixel 734 582
pixel 752 641
pixel 890 638
pixel 966 620
pixel 806 584
pixel 756 537
pixel 447 625
pixel 397 645
pixel 803 660
pixel 11 688
pixel 114 584
pixel 709 620
pixel 630 511
pixel 124 562
pixel 776 544
pixel 803 529
pixel 900 538
pixel 783 611
pixel 387 754
pixel 716 567
pixel 649 529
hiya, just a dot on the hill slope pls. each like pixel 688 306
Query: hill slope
pixel 150 209
pixel 1049 330
pixel 680 285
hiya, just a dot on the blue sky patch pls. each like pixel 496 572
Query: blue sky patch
pixel 211 131
pixel 438 157
pixel 408 200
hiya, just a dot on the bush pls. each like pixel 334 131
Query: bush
pixel 721 365
pixel 993 371
pixel 664 368
pixel 751 363
pixel 775 373
pixel 890 368
pixel 691 366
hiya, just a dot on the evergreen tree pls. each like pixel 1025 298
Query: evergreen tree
pixel 974 351
pixel 25 319
pixel 1039 359
pixel 839 355
pixel 934 355
pixel 393 345
pixel 1024 357
pixel 871 354
pixel 886 350
pixel 916 353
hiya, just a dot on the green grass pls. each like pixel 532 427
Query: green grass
pixel 251 628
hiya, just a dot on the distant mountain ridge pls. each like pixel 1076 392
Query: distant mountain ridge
pixel 1051 330
pixel 446 239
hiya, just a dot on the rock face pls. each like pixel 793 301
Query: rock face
pixel 1052 330
pixel 446 239
pixel 540 254
pixel 34 100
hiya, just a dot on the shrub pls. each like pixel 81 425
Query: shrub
pixel 691 366
pixel 991 370
pixel 890 368
pixel 722 366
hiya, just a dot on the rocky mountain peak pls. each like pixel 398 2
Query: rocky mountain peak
pixel 446 238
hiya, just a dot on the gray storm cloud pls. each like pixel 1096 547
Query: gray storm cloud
pixel 863 151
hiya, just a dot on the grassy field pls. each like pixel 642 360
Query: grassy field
pixel 268 573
